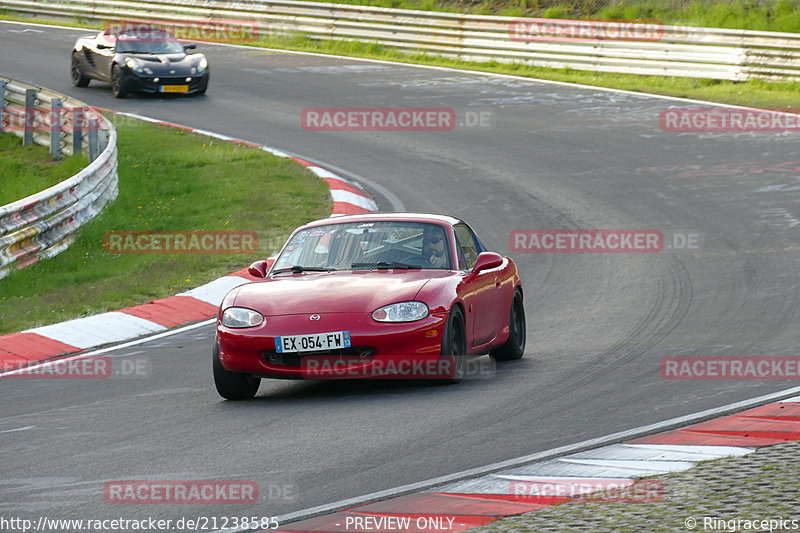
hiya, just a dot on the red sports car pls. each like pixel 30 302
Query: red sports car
pixel 394 295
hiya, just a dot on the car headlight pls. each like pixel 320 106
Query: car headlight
pixel 202 65
pixel 241 317
pixel 401 312
pixel 132 64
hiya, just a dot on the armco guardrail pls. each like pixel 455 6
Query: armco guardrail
pixel 44 224
pixel 650 49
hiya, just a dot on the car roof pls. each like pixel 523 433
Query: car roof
pixel 371 217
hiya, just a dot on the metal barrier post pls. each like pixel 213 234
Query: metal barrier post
pixel 77 130
pixel 102 133
pixel 93 144
pixel 30 113
pixel 55 127
pixel 103 140
pixel 2 102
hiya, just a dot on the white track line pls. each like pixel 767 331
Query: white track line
pixel 118 346
pixel 555 452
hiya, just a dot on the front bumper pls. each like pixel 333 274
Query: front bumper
pixel 378 350
pixel 143 83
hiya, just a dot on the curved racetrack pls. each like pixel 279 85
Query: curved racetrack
pixel 598 324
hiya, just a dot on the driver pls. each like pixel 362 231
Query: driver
pixel 433 248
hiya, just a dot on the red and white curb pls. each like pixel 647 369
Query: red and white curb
pixel 72 336
pixel 612 469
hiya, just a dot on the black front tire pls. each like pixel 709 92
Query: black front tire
pixel 204 87
pixel 232 385
pixel 79 79
pixel 454 347
pixel 118 82
pixel 514 348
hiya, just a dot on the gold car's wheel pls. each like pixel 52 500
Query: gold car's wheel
pixel 117 82
pixel 78 78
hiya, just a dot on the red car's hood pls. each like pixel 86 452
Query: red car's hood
pixel 332 292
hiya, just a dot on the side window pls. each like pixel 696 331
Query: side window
pixel 467 247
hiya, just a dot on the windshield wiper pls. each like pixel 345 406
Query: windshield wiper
pixel 385 264
pixel 297 269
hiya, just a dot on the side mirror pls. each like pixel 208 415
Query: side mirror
pixel 258 269
pixel 190 46
pixel 486 261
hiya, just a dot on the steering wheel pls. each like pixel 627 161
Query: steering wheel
pixel 420 260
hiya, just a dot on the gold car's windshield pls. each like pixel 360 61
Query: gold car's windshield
pixel 153 42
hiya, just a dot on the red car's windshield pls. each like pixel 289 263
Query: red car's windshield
pixel 368 245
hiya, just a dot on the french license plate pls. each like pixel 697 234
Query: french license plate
pixel 174 88
pixel 312 343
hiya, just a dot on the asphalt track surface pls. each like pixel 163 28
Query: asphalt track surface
pixel 598 324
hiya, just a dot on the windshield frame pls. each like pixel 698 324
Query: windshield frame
pixel 162 44
pixel 388 244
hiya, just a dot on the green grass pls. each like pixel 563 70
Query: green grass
pixel 169 180
pixel 772 15
pixel 26 170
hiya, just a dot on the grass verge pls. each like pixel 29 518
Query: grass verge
pixel 767 15
pixel 168 180
pixel 27 170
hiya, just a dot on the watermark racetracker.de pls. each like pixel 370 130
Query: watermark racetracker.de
pixel 196 492
pixel 605 490
pixel 705 119
pixel 535 29
pixel 140 524
pixel 730 368
pixel 67 119
pixel 602 241
pixel 181 492
pixel 180 242
pixel 337 367
pixel 18 119
pixel 91 367
pixel 394 119
pixel 214 30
